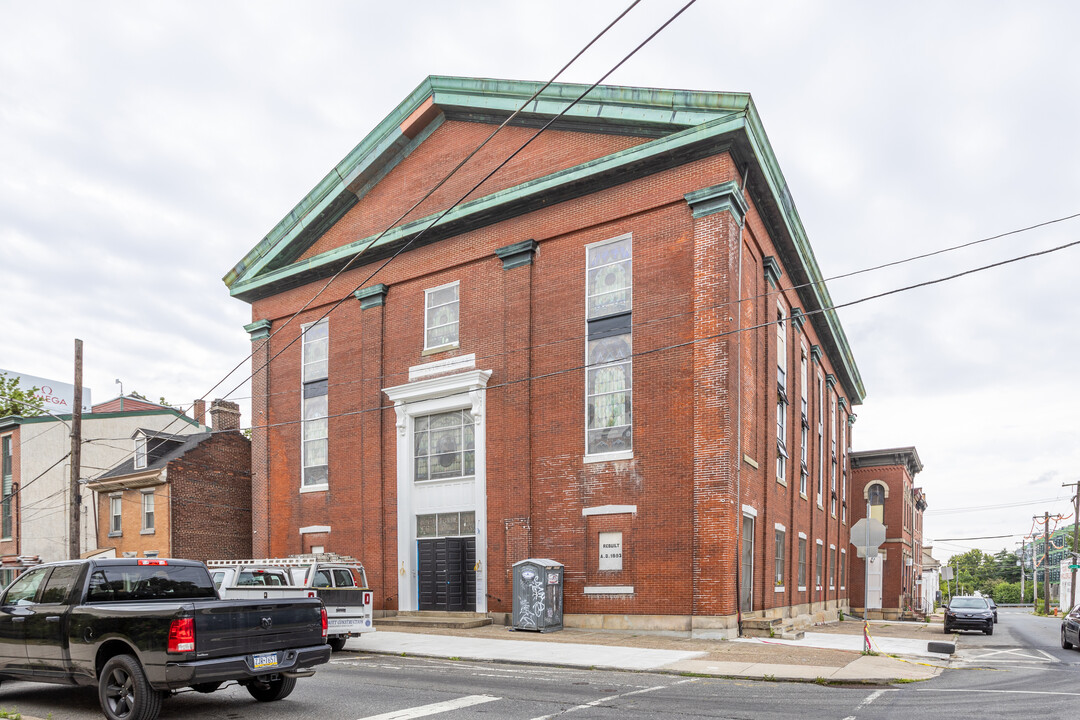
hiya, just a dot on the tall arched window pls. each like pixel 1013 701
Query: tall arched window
pixel 875 496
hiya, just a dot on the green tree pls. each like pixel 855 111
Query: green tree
pixel 16 401
pixel 1008 566
pixel 1006 592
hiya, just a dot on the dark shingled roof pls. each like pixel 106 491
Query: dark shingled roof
pixel 168 448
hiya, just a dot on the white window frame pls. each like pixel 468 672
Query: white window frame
pixel 802 551
pixel 843 569
pixel 821 440
pixel 781 394
pixel 147 495
pixel 819 562
pixel 456 342
pixel 780 559
pixel 833 460
pixel 618 454
pixel 843 466
pixel 305 486
pixel 804 426
pixel 140 451
pixel 832 566
pixel 116 515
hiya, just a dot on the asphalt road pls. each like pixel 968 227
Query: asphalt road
pixel 1019 671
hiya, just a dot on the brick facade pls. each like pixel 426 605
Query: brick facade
pixel 902 514
pixel 202 502
pixel 704 368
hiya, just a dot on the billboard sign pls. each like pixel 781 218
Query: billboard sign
pixel 58 397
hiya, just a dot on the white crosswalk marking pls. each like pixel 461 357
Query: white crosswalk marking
pixel 1013 655
pixel 433 708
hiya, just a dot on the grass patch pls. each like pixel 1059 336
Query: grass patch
pixel 768 678
pixel 11 714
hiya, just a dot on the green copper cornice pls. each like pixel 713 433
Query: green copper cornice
pixel 518 254
pixel 683 126
pixel 374 296
pixel 258 330
pixel 718 198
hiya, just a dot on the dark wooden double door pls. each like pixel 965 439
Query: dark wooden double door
pixel 447 575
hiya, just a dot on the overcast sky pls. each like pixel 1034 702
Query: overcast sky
pixel 146 147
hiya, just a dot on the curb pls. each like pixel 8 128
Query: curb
pixel 820 680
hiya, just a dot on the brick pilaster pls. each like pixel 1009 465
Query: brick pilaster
pixel 260 453
pixel 718 212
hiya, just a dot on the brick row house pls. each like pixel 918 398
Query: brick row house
pixel 34 513
pixel 617 353
pixel 883 482
pixel 185 496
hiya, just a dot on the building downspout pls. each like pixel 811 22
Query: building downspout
pixel 738 424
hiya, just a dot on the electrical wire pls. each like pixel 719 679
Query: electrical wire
pixel 434 222
pixel 694 341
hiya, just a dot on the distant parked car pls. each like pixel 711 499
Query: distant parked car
pixel 993 606
pixel 967 612
pixel 1070 629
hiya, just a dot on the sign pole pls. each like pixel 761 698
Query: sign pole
pixel 866 586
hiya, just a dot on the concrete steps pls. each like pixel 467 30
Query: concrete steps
pixel 434 619
pixel 770 628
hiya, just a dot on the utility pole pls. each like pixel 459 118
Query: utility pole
pixel 1076 541
pixel 74 549
pixel 1046 563
pixel 1023 552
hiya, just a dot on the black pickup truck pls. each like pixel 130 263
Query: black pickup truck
pixel 142 628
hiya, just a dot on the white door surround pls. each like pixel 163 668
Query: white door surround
pixel 466 390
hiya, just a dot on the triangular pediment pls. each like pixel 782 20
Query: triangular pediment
pixel 430 132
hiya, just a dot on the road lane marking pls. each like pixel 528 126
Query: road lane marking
pixel 869 699
pixel 433 708
pixel 1004 692
pixel 609 698
pixel 1008 655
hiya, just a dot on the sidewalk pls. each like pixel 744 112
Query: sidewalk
pixel 831 653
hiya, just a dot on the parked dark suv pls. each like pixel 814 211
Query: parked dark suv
pixel 967 612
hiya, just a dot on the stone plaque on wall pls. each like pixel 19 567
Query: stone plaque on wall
pixel 611 551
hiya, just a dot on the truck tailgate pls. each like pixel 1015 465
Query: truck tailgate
pixel 348 610
pixel 242 627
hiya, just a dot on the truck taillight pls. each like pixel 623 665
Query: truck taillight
pixel 182 635
pixel 322 611
pixel 367 598
pixel 153 562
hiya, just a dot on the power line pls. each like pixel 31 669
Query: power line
pixel 694 341
pixel 411 241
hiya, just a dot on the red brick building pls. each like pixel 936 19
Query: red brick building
pixel 561 367
pixel 183 496
pixel 883 483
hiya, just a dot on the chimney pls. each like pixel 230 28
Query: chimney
pixel 225 415
pixel 199 411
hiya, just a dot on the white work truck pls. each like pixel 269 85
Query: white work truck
pixel 339 582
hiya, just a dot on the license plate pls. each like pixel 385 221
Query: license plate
pixel 267 660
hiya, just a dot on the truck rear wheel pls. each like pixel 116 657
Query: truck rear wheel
pixel 124 692
pixel 271 690
pixel 337 644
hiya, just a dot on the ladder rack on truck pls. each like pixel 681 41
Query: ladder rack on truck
pixel 339 581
